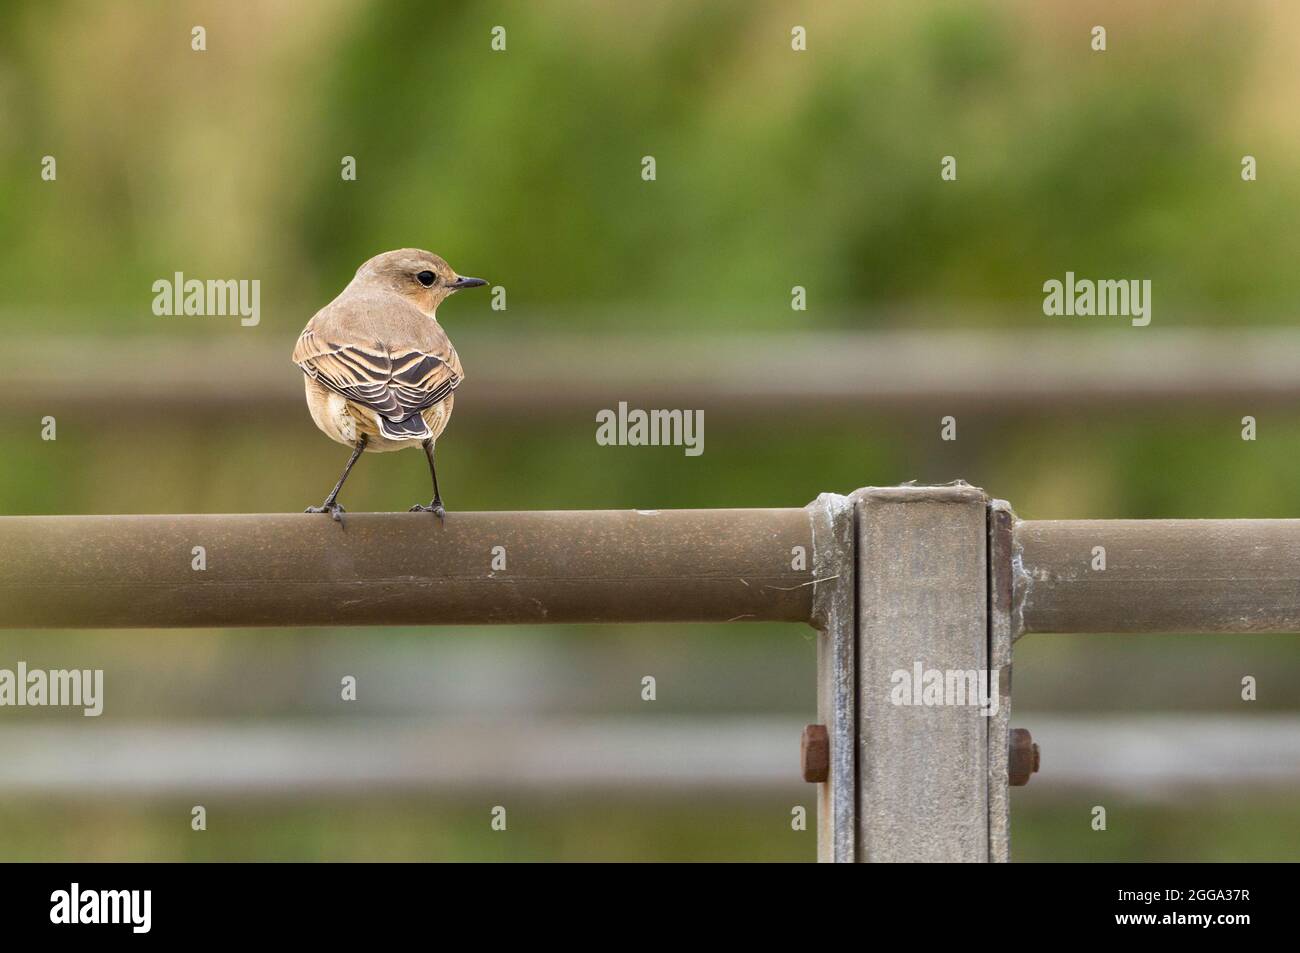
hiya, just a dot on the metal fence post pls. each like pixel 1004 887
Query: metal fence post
pixel 924 769
pixel 835 618
pixel 1004 629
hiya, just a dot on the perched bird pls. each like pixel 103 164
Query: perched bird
pixel 380 372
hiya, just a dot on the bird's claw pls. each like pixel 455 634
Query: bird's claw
pixel 335 510
pixel 436 508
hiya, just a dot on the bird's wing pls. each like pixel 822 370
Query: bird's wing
pixel 386 356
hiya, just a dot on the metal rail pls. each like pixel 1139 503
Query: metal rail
pixel 406 569
pixel 1158 575
pixel 896 580
pixel 608 566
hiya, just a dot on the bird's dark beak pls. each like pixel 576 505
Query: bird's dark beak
pixel 460 283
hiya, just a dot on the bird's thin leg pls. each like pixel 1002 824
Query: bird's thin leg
pixel 436 507
pixel 331 504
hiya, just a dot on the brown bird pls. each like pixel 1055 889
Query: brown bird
pixel 380 370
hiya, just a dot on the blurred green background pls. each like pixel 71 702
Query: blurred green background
pixel 775 168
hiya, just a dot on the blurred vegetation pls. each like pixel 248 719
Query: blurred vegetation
pixel 774 168
pixel 601 829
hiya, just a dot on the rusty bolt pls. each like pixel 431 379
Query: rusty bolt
pixel 815 754
pixel 1022 759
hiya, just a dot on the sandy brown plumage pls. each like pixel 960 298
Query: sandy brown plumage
pixel 394 367
pixel 380 371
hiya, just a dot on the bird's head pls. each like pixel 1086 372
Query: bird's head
pixel 420 276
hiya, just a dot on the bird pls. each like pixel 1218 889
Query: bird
pixel 380 372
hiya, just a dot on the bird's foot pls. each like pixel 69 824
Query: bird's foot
pixel 335 510
pixel 436 508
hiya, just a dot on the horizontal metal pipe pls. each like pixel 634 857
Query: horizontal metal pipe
pixel 1159 575
pixel 405 568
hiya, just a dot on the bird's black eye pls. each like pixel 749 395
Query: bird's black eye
pixel 427 278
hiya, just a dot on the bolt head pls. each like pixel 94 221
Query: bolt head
pixel 815 754
pixel 1023 758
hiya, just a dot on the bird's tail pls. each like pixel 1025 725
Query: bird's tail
pixel 411 428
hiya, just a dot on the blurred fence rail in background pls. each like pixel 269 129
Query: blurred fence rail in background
pixel 1146 756
pixel 1047 370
